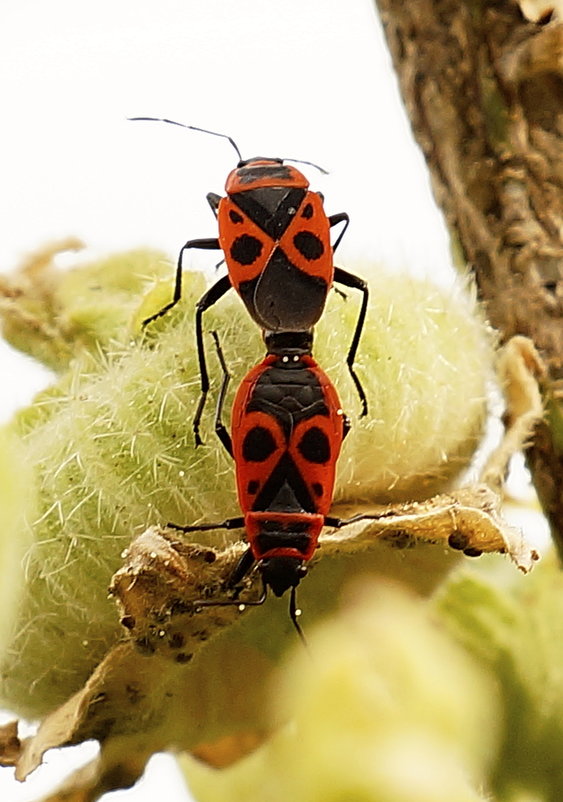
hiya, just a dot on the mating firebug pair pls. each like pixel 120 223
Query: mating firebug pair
pixel 275 238
pixel 287 425
pixel 287 428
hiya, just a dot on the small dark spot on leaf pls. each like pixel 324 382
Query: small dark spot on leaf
pixel 183 657
pixel 472 552
pixel 176 641
pixel 457 540
pixel 133 694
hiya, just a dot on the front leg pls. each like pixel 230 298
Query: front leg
pixel 207 244
pixel 333 220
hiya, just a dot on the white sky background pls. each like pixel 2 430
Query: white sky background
pixel 308 79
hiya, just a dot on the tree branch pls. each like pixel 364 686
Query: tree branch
pixel 483 88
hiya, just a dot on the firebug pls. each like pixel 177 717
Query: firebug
pixel 275 238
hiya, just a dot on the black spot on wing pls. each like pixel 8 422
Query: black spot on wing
pixel 314 446
pixel 246 249
pixel 308 245
pixel 285 490
pixel 235 217
pixel 258 444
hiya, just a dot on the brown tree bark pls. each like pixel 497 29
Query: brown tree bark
pixel 483 86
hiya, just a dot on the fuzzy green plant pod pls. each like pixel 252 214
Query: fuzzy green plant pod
pixel 109 451
pixel 459 698
pixel 368 721
pixel 16 494
pixel 54 314
pixel 514 630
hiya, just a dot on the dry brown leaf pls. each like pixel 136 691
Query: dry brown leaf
pixel 133 692
pixel 10 744
pixel 519 367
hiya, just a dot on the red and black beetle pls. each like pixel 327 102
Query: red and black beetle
pixel 275 238
pixel 287 429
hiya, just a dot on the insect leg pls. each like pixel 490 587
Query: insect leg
pixel 213 200
pixel 220 428
pixel 350 280
pixel 333 220
pixel 229 523
pixel 208 244
pixel 339 523
pixel 212 295
pixel 242 568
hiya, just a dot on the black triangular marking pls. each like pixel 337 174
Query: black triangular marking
pixel 271 208
pixel 284 490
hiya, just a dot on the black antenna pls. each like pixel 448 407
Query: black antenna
pixel 311 164
pixel 257 603
pixel 192 128
pixel 223 136
pixel 293 616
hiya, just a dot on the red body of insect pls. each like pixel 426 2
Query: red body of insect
pixel 275 237
pixel 287 429
pixel 274 234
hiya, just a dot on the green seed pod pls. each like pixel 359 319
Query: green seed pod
pixel 424 362
pixel 109 449
pixel 16 499
pixel 387 709
pixel 516 633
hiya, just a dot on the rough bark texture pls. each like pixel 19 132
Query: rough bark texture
pixel 483 87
